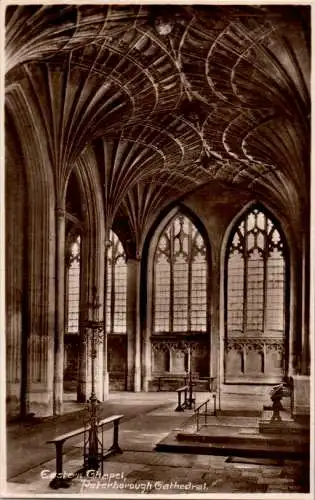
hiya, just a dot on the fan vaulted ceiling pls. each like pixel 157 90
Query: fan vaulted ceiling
pixel 167 98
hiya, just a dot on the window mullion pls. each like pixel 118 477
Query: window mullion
pixel 245 278
pixel 171 257
pixel 112 295
pixel 72 287
pixel 265 279
pixel 106 315
pixel 189 259
pixel 67 296
pixel 185 280
pixel 154 294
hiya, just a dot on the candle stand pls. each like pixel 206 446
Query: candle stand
pixel 190 400
pixel 93 448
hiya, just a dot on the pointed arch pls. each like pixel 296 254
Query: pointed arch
pixel 39 300
pixel 180 281
pixel 256 298
pixel 73 257
pixel 116 296
pixel 178 303
pixel 72 309
pixel 116 312
pixel 92 272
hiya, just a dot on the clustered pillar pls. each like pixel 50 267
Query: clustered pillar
pixel 60 311
pixel 134 325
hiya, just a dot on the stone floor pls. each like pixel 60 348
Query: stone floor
pixel 148 418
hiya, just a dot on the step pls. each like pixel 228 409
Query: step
pixel 245 448
pixel 286 428
pixel 239 413
pixel 251 438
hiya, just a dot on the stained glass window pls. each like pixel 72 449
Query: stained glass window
pixel 180 279
pixel 74 287
pixel 116 296
pixel 256 277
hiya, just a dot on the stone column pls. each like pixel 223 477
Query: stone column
pixel 105 344
pixel 147 360
pixel 60 311
pixel 38 346
pixel 147 352
pixel 27 148
pixel 293 330
pixel 305 341
pixel 83 368
pixel 216 344
pixel 82 389
pixel 16 303
pixel 133 323
pixel 105 378
pixel 219 349
pixel 131 327
pixel 301 380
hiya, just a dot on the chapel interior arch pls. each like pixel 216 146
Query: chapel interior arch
pixel 256 313
pixel 178 299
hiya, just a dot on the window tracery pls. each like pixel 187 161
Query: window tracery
pixel 116 287
pixel 256 277
pixel 73 295
pixel 180 279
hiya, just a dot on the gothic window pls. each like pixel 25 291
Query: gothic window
pixel 73 297
pixel 116 296
pixel 180 279
pixel 256 275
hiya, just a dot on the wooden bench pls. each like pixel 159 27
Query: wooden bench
pixel 209 381
pixel 170 378
pixel 59 480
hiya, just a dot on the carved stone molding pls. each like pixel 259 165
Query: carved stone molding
pixel 179 346
pixel 254 344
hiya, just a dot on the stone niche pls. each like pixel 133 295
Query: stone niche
pixel 117 362
pixel 254 360
pixel 171 362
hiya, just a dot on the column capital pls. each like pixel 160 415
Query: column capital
pixel 60 212
pixel 134 259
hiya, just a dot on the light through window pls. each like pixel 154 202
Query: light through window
pixel 256 277
pixel 74 287
pixel 180 279
pixel 116 296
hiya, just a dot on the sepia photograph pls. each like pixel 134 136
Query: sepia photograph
pixel 157 275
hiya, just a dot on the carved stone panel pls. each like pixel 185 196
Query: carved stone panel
pixel 176 356
pixel 254 359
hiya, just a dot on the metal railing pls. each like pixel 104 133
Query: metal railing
pixel 203 415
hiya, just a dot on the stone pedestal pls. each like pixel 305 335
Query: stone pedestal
pixel 284 427
pixel 301 393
